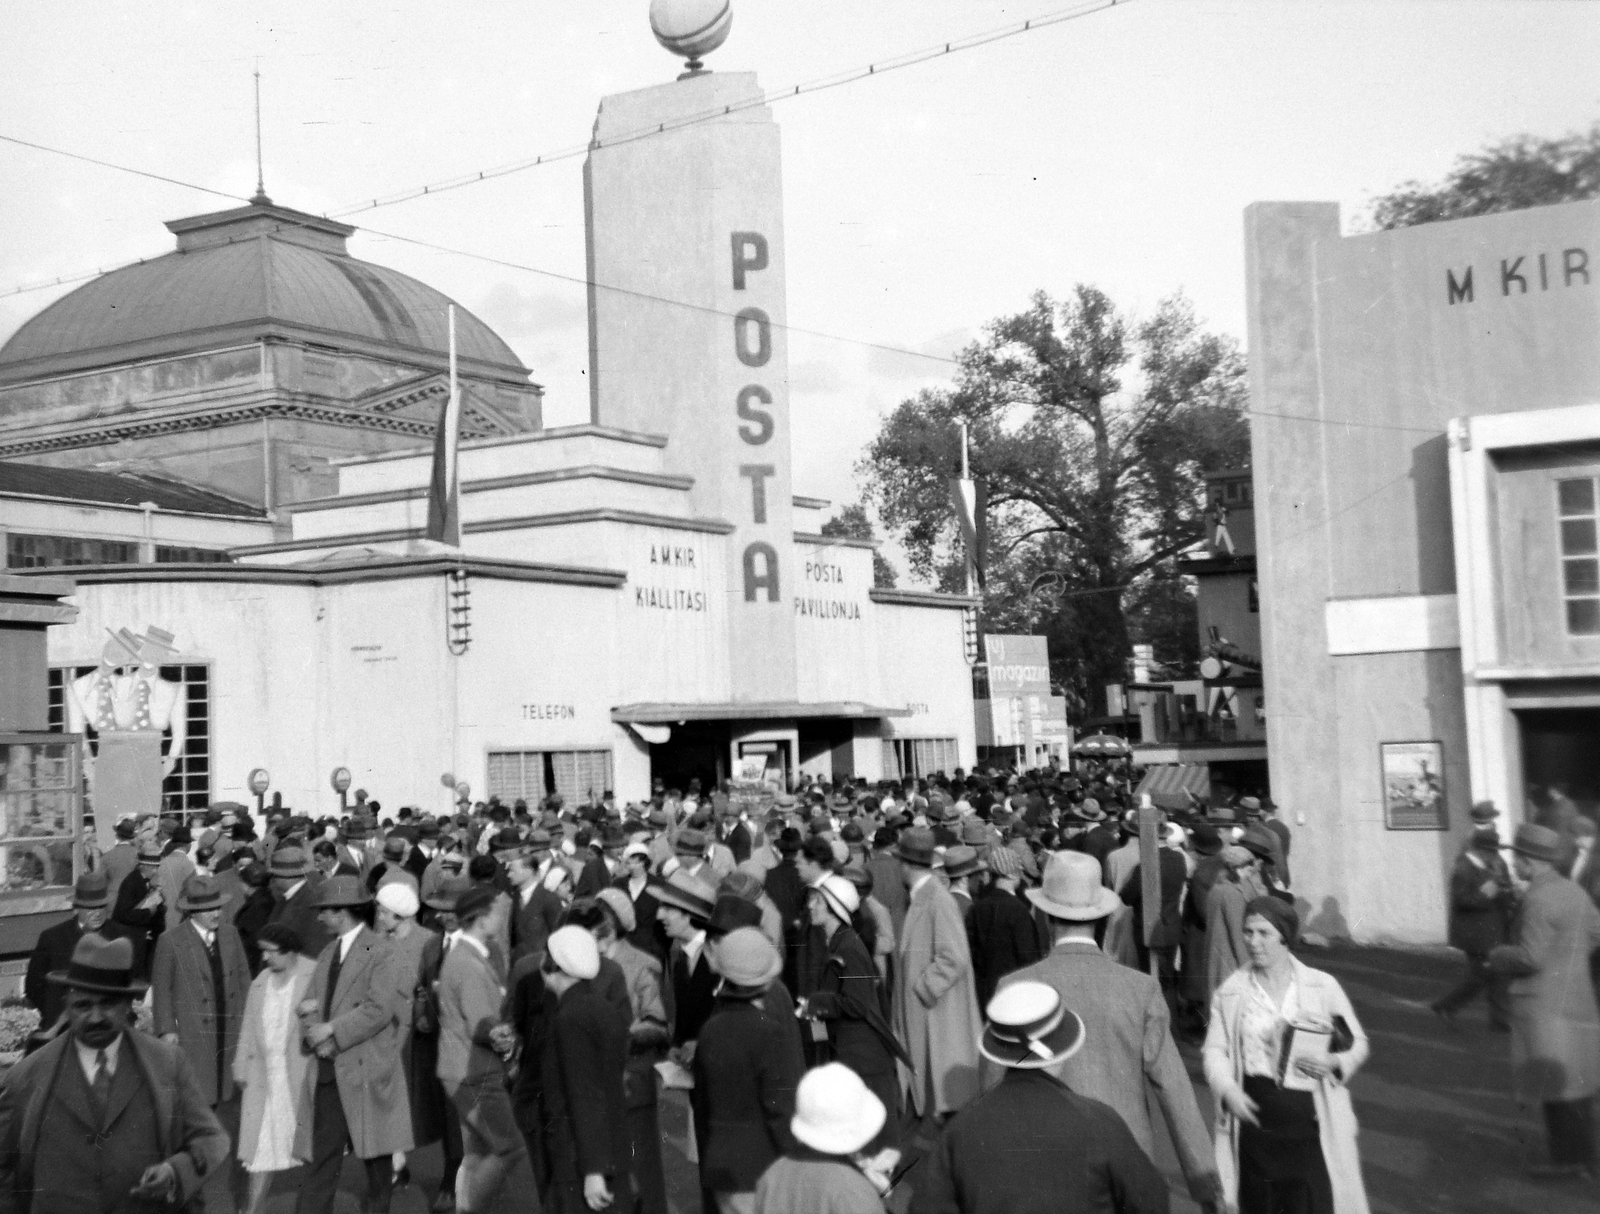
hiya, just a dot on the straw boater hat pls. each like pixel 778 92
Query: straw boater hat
pixel 200 893
pixel 100 966
pixel 346 892
pixel 835 1112
pixel 151 852
pixel 1029 1029
pixel 1073 889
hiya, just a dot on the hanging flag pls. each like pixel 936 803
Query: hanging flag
pixel 971 500
pixel 444 487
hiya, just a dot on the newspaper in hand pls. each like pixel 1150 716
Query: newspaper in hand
pixel 1303 1042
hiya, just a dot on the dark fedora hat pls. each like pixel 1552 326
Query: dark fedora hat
pixel 102 967
pixel 92 891
pixel 1205 838
pixel 200 893
pixel 1537 842
pixel 289 863
pixel 916 846
pixel 345 891
pixel 731 912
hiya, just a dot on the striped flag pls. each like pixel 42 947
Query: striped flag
pixel 970 499
pixel 444 487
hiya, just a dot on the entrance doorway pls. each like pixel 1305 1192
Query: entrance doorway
pixel 1560 749
pixel 697 750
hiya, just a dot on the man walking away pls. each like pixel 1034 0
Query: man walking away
pixel 1481 898
pixel 1555 1025
pixel 1032 1145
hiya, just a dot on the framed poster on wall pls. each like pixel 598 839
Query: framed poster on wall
pixel 1413 785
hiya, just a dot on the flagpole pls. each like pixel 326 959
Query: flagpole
pixel 453 351
pixel 966 476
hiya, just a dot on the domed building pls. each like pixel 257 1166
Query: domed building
pixel 247 360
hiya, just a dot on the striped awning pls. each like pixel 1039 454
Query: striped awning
pixel 1169 784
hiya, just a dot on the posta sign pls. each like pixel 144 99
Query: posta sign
pixel 752 344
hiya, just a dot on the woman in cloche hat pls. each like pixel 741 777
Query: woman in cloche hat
pixel 836 1117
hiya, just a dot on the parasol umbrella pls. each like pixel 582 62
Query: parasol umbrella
pixel 1103 746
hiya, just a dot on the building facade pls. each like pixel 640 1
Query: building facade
pixel 1426 441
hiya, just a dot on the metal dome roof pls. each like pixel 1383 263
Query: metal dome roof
pixel 244 274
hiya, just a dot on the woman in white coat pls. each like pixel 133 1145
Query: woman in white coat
pixel 269 1065
pixel 1285 1131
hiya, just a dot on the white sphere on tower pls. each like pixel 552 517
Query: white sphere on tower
pixel 691 28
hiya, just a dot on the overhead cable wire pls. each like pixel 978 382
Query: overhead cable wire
pixel 771 97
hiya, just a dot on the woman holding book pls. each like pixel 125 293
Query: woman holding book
pixel 1282 1044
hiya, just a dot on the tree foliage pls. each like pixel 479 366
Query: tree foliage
pixel 1091 430
pixel 1521 172
pixel 852 523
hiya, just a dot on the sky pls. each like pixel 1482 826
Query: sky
pixel 1118 149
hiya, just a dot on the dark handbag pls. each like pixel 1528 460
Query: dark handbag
pixel 1343 1040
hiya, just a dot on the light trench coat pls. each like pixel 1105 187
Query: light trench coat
pixel 1320 997
pixel 250 1062
pixel 936 1004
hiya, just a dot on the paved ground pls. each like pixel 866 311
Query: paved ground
pixel 1440 1131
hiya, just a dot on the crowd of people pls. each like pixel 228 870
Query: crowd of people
pixel 932 995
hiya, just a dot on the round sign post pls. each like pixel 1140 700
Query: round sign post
pixel 341 785
pixel 258 782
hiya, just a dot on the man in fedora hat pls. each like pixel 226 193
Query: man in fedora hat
pixel 1129 1057
pixel 294 890
pixel 91 904
pixel 935 1004
pixel 104 1119
pixel 199 979
pixel 1555 1024
pixel 138 902
pixel 123 856
pixel 1032 1145
pixel 535 910
pixel 349 1022
pixel 1482 898
pixel 684 906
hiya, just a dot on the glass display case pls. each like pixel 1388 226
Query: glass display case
pixel 41 820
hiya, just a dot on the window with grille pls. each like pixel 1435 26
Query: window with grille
pixel 187 789
pixel 1580 555
pixel 918 757
pixel 50 551
pixel 531 775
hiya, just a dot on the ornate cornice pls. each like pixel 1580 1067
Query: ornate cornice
pixel 151 427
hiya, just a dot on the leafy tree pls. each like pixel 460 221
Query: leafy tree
pixel 852 523
pixel 1520 172
pixel 1091 430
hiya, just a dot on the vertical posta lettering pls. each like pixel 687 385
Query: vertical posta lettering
pixel 748 412
pixel 763 578
pixel 752 343
pixel 749 253
pixel 742 324
pixel 758 474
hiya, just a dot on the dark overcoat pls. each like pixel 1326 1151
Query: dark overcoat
pixel 1032 1146
pixel 586 1113
pixel 53 952
pixel 185 1001
pixel 746 1069
pixel 1480 900
pixel 155 1114
pixel 1002 936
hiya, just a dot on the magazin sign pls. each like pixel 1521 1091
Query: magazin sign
pixel 1018 666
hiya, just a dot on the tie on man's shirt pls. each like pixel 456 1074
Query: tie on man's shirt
pixel 101 1087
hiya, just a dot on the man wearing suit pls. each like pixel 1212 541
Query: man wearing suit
pixel 1128 1055
pixel 199 978
pixel 647 934
pixel 138 902
pixel 732 833
pixel 90 903
pixel 349 1019
pixel 535 911
pixel 294 890
pixel 935 1005
pixel 473 1039
pixel 1032 1145
pixel 1481 901
pixel 103 1111
pixel 123 857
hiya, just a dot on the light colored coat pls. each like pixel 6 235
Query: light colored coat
pixel 1320 997
pixel 1128 1054
pixel 250 1063
pixel 183 999
pixel 1555 1025
pixel 368 1067
pixel 935 1003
